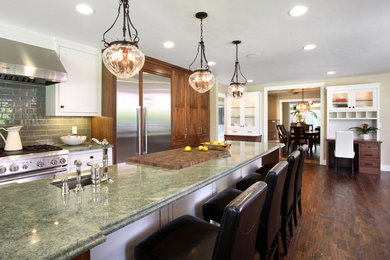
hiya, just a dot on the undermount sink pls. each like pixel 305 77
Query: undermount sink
pixel 85 180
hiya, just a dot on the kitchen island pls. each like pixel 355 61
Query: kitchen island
pixel 37 222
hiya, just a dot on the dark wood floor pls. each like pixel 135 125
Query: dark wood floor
pixel 344 216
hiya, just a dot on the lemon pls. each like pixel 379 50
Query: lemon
pixel 221 143
pixel 200 147
pixel 206 143
pixel 187 148
pixel 205 148
pixel 215 142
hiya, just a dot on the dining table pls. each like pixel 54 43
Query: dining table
pixel 310 136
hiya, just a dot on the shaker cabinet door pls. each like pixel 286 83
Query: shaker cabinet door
pixel 80 95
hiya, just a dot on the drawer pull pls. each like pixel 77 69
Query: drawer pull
pixel 91 157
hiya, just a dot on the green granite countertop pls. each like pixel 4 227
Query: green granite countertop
pixel 36 222
pixel 81 147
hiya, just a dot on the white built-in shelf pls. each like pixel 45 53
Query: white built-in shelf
pixel 352 106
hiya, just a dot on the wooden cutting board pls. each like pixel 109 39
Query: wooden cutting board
pixel 178 158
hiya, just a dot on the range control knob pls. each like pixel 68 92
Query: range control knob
pixel 14 168
pixel 25 166
pixel 62 160
pixel 53 162
pixel 2 169
pixel 40 164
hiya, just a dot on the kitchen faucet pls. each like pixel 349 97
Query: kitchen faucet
pixel 105 145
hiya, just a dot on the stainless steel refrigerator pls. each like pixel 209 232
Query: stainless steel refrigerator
pixel 143 115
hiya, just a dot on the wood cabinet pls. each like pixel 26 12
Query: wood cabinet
pixel 190 112
pixel 80 95
pixel 367 156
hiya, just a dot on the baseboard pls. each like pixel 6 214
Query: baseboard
pixel 385 168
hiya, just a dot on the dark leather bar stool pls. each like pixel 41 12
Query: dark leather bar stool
pixel 251 178
pixel 267 242
pixel 286 210
pixel 298 183
pixel 188 237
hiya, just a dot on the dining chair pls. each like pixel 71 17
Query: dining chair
pixel 344 147
pixel 299 136
pixel 283 137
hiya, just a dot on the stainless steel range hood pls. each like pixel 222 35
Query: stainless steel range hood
pixel 30 64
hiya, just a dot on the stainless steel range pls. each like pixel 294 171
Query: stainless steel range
pixel 32 163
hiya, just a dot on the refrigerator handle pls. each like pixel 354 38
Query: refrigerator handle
pixel 138 130
pixel 145 128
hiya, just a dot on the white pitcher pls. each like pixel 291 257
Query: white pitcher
pixel 13 142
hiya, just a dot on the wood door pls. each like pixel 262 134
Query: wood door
pixel 179 125
pixel 193 116
pixel 205 117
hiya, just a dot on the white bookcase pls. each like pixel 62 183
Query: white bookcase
pixel 352 105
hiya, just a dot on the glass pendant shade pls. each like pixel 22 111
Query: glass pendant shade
pixel 201 80
pixel 237 90
pixel 123 59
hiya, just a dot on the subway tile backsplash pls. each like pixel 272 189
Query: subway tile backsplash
pixel 22 104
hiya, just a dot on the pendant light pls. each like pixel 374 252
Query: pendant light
pixel 303 106
pixel 201 80
pixel 122 57
pixel 237 89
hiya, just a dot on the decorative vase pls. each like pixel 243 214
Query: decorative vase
pixel 366 136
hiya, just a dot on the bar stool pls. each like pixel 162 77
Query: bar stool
pixel 298 183
pixel 188 237
pixel 286 210
pixel 267 242
pixel 251 178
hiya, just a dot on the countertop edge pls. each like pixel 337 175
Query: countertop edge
pixel 132 218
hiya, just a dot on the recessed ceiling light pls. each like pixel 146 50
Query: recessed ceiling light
pixel 298 10
pixel 169 44
pixel 211 63
pixel 253 56
pixel 310 47
pixel 331 72
pixel 250 80
pixel 84 9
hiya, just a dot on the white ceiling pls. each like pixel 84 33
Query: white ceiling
pixel 352 36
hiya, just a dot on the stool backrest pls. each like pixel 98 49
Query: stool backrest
pixel 289 184
pixel 298 178
pixel 238 231
pixel 270 215
pixel 344 144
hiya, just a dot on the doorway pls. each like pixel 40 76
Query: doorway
pixel 280 106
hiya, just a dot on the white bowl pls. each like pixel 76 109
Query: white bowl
pixel 73 139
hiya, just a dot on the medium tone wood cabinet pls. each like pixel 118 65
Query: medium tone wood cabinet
pixel 190 112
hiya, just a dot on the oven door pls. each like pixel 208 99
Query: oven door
pixel 33 176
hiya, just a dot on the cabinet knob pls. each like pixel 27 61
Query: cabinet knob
pixel 62 106
pixel 91 157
